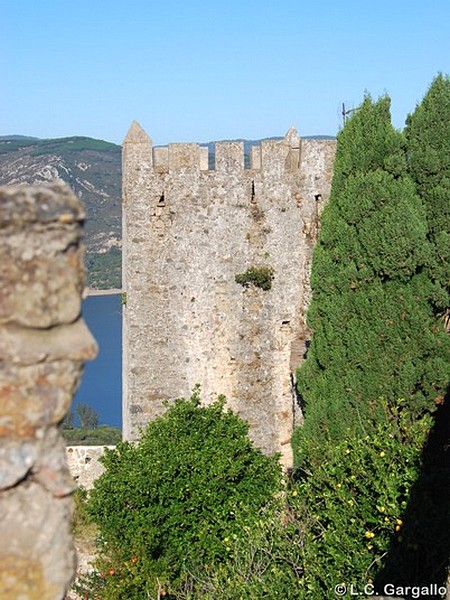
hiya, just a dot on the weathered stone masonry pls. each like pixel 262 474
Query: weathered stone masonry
pixel 84 464
pixel 187 231
pixel 43 343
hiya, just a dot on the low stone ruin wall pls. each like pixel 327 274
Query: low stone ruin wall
pixel 43 344
pixel 84 464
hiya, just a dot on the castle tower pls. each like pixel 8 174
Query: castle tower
pixel 188 230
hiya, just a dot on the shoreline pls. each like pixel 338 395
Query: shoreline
pixel 91 292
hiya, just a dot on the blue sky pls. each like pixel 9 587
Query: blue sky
pixel 194 70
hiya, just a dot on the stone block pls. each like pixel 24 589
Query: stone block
pixel 184 157
pixel 229 157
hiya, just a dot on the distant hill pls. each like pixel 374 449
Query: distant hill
pixel 92 168
pixel 17 137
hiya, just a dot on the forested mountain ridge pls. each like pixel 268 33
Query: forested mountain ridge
pixel 92 168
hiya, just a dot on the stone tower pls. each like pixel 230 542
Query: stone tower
pixel 188 230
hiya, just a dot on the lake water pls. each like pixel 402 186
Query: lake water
pixel 101 384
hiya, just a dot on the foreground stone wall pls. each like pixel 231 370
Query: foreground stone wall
pixel 187 232
pixel 43 343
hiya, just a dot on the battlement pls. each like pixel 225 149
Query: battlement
pixel 271 157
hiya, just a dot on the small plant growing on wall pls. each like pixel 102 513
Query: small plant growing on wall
pixel 261 277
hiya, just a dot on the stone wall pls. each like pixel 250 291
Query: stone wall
pixel 84 464
pixel 187 232
pixel 43 343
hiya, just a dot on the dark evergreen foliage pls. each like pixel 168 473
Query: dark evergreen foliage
pixel 374 332
pixel 428 145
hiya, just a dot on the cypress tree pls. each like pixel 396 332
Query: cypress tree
pixel 373 330
pixel 427 135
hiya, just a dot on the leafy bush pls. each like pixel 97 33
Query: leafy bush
pixel 261 277
pixel 352 502
pixel 264 563
pixel 171 504
pixel 82 526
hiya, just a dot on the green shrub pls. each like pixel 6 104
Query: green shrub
pixel 352 502
pixel 170 505
pixel 82 526
pixel 264 563
pixel 261 277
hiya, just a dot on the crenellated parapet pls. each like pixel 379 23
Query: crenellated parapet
pixel 271 157
pixel 190 226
